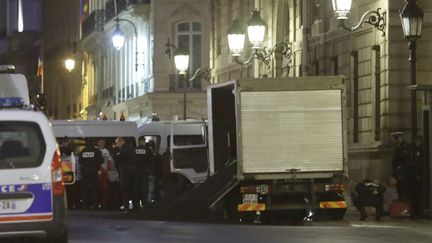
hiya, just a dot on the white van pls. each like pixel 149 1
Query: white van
pixel 13 84
pixel 188 155
pixel 32 194
pixel 79 130
pixel 94 129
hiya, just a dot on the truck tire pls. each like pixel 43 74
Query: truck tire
pixel 337 214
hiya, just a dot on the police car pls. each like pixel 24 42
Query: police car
pixel 32 194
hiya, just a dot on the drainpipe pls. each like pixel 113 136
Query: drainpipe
pixel 305 38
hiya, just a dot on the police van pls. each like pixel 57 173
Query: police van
pixel 79 130
pixel 32 194
pixel 186 143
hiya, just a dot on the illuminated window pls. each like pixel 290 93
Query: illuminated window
pixel 188 37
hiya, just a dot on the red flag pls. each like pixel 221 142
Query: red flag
pixel 40 68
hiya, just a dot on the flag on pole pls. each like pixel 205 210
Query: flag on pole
pixel 39 72
pixel 84 9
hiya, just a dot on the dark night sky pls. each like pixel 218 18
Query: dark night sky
pixel 32 13
pixel 2 17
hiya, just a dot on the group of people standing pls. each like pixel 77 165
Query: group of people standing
pixel 115 176
pixel 409 172
pixel 408 175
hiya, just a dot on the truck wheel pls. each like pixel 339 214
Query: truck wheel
pixel 231 212
pixel 337 214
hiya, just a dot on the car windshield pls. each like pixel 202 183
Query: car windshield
pixel 21 145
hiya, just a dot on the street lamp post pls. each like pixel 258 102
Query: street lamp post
pixel 376 18
pixel 256 32
pixel 69 64
pixel 412 20
pixel 118 38
pixel 181 62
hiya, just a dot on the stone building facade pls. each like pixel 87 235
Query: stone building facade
pixel 375 66
pixel 136 81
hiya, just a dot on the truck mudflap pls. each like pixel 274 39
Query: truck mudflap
pixel 251 207
pixel 333 204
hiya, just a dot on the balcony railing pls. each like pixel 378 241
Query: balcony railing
pixel 94 22
pixel 97 19
pixel 110 9
pixel 138 2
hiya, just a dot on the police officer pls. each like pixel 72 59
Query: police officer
pixel 90 161
pixel 401 165
pixel 124 158
pixel 369 193
pixel 144 168
pixel 417 178
pixel 155 172
pixel 66 147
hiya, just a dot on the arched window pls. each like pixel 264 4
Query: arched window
pixel 188 36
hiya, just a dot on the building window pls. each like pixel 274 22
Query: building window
pixel 377 76
pixel 300 15
pixel 316 67
pixel 218 28
pixel 355 107
pixel 188 36
pixel 335 65
pixel 286 21
pixel 68 110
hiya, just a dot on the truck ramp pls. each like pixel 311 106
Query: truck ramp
pixel 195 203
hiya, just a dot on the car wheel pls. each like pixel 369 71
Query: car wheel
pixel 63 238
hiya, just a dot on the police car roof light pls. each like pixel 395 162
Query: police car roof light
pixel 11 102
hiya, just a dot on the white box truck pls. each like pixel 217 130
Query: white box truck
pixel 285 140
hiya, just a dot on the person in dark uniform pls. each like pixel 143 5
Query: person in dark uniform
pixel 66 147
pixel 144 168
pixel 401 165
pixel 66 150
pixel 155 172
pixel 90 160
pixel 417 178
pixel 369 193
pixel 124 158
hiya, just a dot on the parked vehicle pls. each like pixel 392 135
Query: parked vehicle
pixel 32 194
pixel 13 84
pixel 288 140
pixel 186 142
pixel 78 130
pixel 276 148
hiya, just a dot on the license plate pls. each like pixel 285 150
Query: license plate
pixel 250 198
pixel 7 206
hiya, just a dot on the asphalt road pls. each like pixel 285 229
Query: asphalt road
pixel 92 227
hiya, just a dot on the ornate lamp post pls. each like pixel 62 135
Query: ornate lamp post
pixel 69 64
pixel 412 21
pixel 376 18
pixel 181 61
pixel 256 32
pixel 118 38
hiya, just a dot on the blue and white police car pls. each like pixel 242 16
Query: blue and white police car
pixel 32 193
